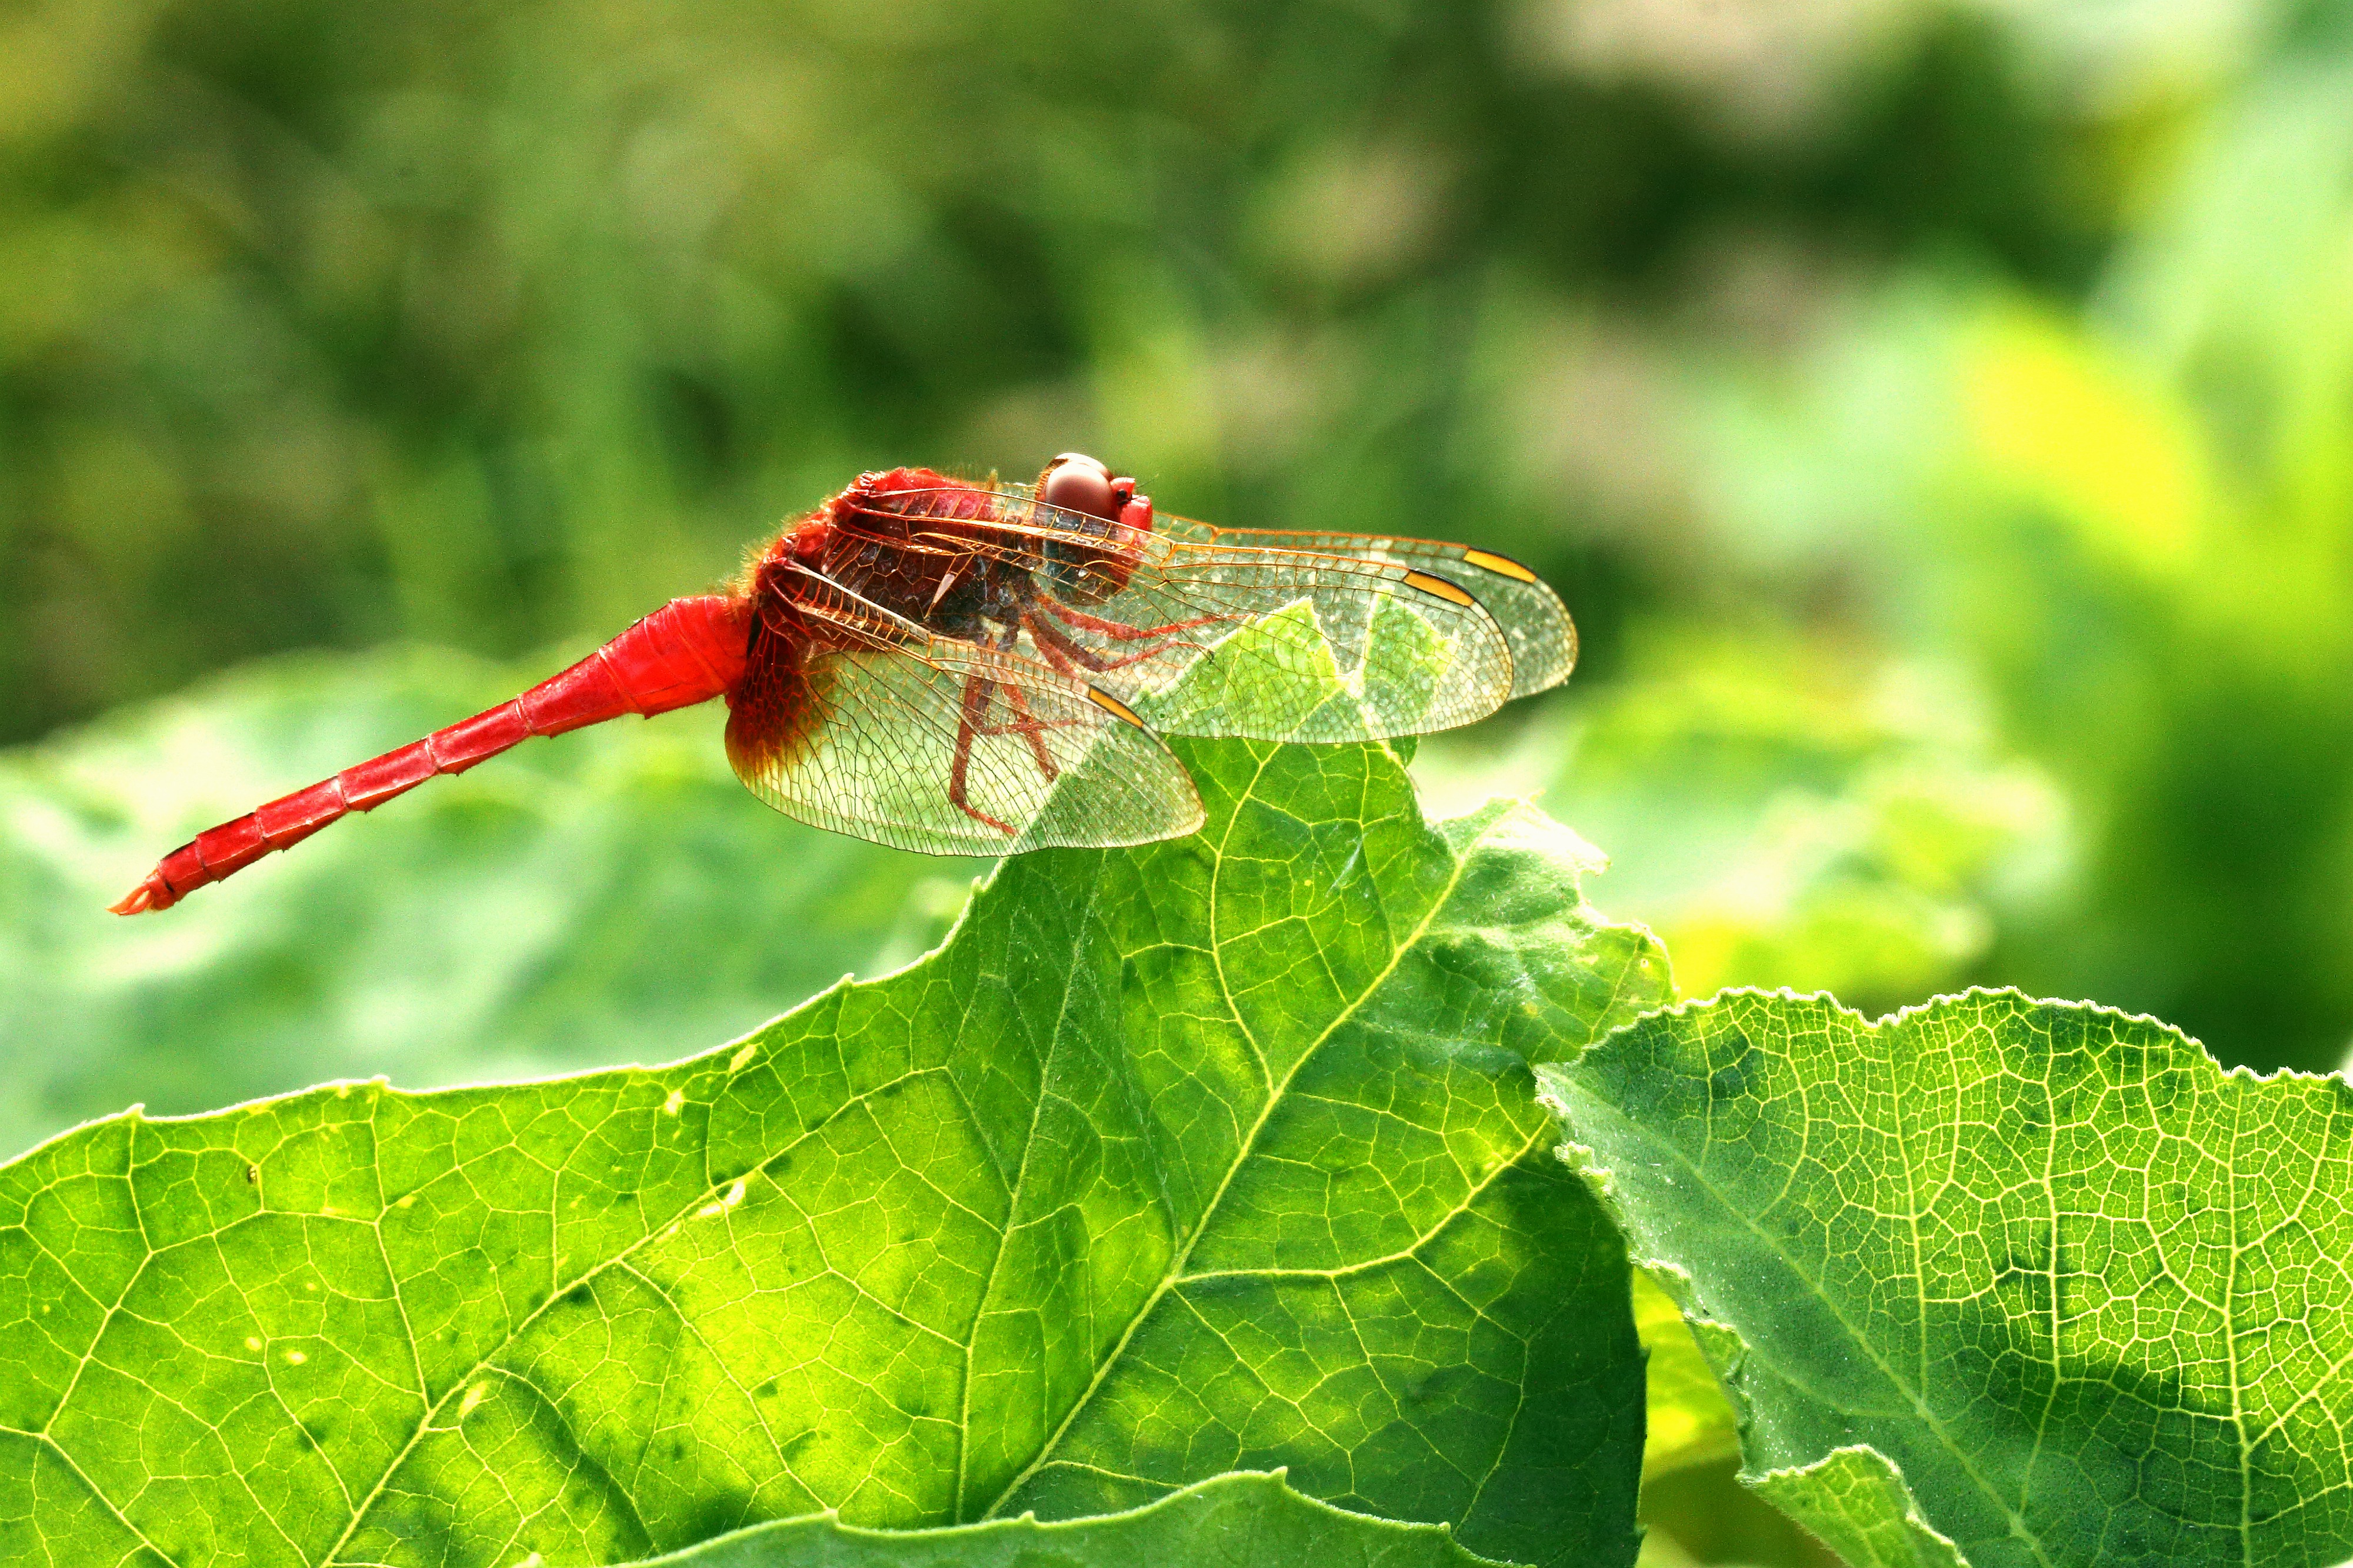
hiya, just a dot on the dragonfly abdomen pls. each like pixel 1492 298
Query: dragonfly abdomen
pixel 688 651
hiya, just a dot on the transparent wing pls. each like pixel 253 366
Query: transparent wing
pixel 1535 622
pixel 1218 637
pixel 929 743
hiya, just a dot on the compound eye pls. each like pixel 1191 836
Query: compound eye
pixel 1076 482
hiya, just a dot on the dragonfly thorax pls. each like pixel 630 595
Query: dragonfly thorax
pixel 911 546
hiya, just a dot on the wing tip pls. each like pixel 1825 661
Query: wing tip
pixel 1502 565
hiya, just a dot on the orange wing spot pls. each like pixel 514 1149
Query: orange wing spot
pixel 1502 565
pixel 1113 706
pixel 1439 587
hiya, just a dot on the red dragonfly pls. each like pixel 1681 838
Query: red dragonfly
pixel 972 667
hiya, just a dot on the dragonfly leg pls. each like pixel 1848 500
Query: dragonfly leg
pixel 1024 723
pixel 1119 631
pixel 976 688
pixel 1057 649
pixel 1031 726
pixel 1067 654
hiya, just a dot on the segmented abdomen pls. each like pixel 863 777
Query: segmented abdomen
pixel 688 651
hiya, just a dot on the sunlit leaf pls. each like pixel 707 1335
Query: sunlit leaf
pixel 1236 1521
pixel 1220 1154
pixel 1854 1500
pixel 2039 1271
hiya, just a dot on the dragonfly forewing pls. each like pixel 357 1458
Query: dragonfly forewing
pixel 1534 623
pixel 1234 637
pixel 1288 646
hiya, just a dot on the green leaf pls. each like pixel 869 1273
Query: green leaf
pixel 1243 1520
pixel 2079 1292
pixel 501 924
pixel 1855 1501
pixel 1214 1154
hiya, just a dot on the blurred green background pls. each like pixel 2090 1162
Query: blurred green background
pixel 1938 415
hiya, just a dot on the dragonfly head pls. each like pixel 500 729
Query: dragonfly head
pixel 1089 573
